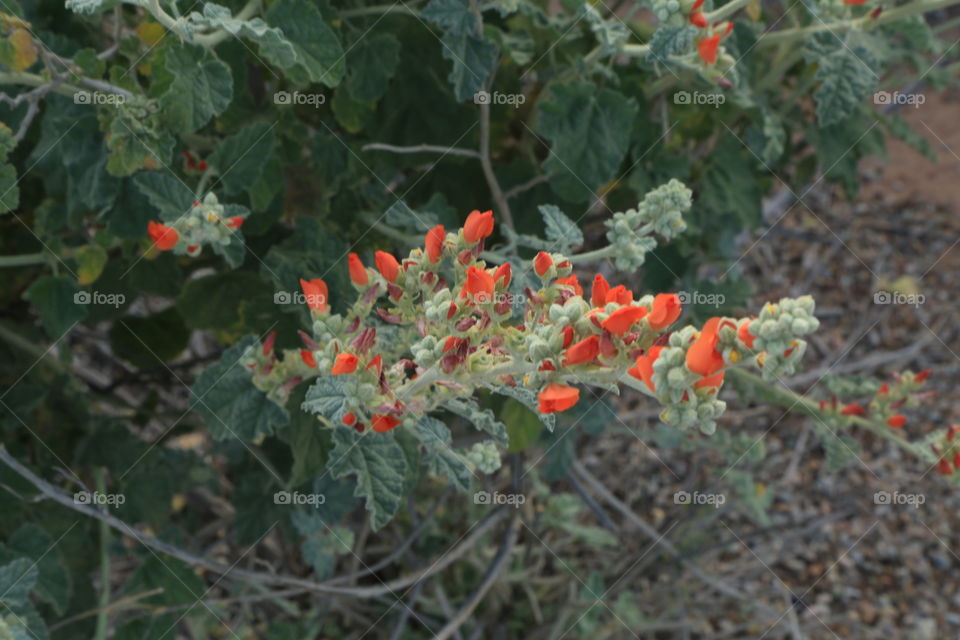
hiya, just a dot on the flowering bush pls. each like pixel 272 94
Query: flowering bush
pixel 252 213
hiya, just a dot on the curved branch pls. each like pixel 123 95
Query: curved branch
pixel 653 534
pixel 384 588
pixel 422 148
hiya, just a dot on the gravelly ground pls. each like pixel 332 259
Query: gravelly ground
pixel 834 563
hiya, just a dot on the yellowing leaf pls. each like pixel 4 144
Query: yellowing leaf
pixel 150 33
pixel 24 53
pixel 8 22
pixel 754 11
pixel 91 260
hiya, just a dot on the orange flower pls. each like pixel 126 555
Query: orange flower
pixel 387 265
pixel 504 273
pixel 743 333
pixel 852 409
pixel 699 20
pixel 708 48
pixel 383 423
pixel 619 294
pixel 542 263
pixel 307 356
pixel 358 272
pixel 666 310
pixel 715 382
pixel 478 226
pixel 922 376
pixel 315 292
pixel 479 284
pixel 897 421
pixel 350 419
pixel 584 351
pixel 598 293
pixel 944 468
pixel 567 333
pixel 376 362
pixel 702 356
pixel 235 222
pixel 164 237
pixel 854 2
pixel 345 363
pixel 644 366
pixel 434 242
pixel 572 281
pixel 557 397
pixel 620 321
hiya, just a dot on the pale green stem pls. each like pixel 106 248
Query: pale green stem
pixel 891 15
pixel 726 10
pixel 23 260
pixel 794 401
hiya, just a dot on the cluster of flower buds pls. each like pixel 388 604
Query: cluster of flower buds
pixel 661 211
pixel 442 323
pixel 905 390
pixel 947 451
pixel 206 223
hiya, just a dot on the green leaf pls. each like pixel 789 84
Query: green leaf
pixel 327 397
pixel 560 229
pixel 523 427
pixel 611 34
pixel 309 441
pixel 528 398
pixel 150 341
pixel 671 41
pixel 452 465
pixel 17 579
pixel 271 41
pixel 216 301
pixel 88 7
pixel 319 56
pixel 167 193
pixel 453 16
pixel 372 62
pixel 53 580
pixel 482 419
pixel 322 544
pixel 847 72
pixel 473 61
pixel 378 462
pixel 9 190
pixel 240 158
pixel 59 303
pixel 585 126
pixel 224 394
pixel 440 458
pixel 729 190
pixel 191 87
